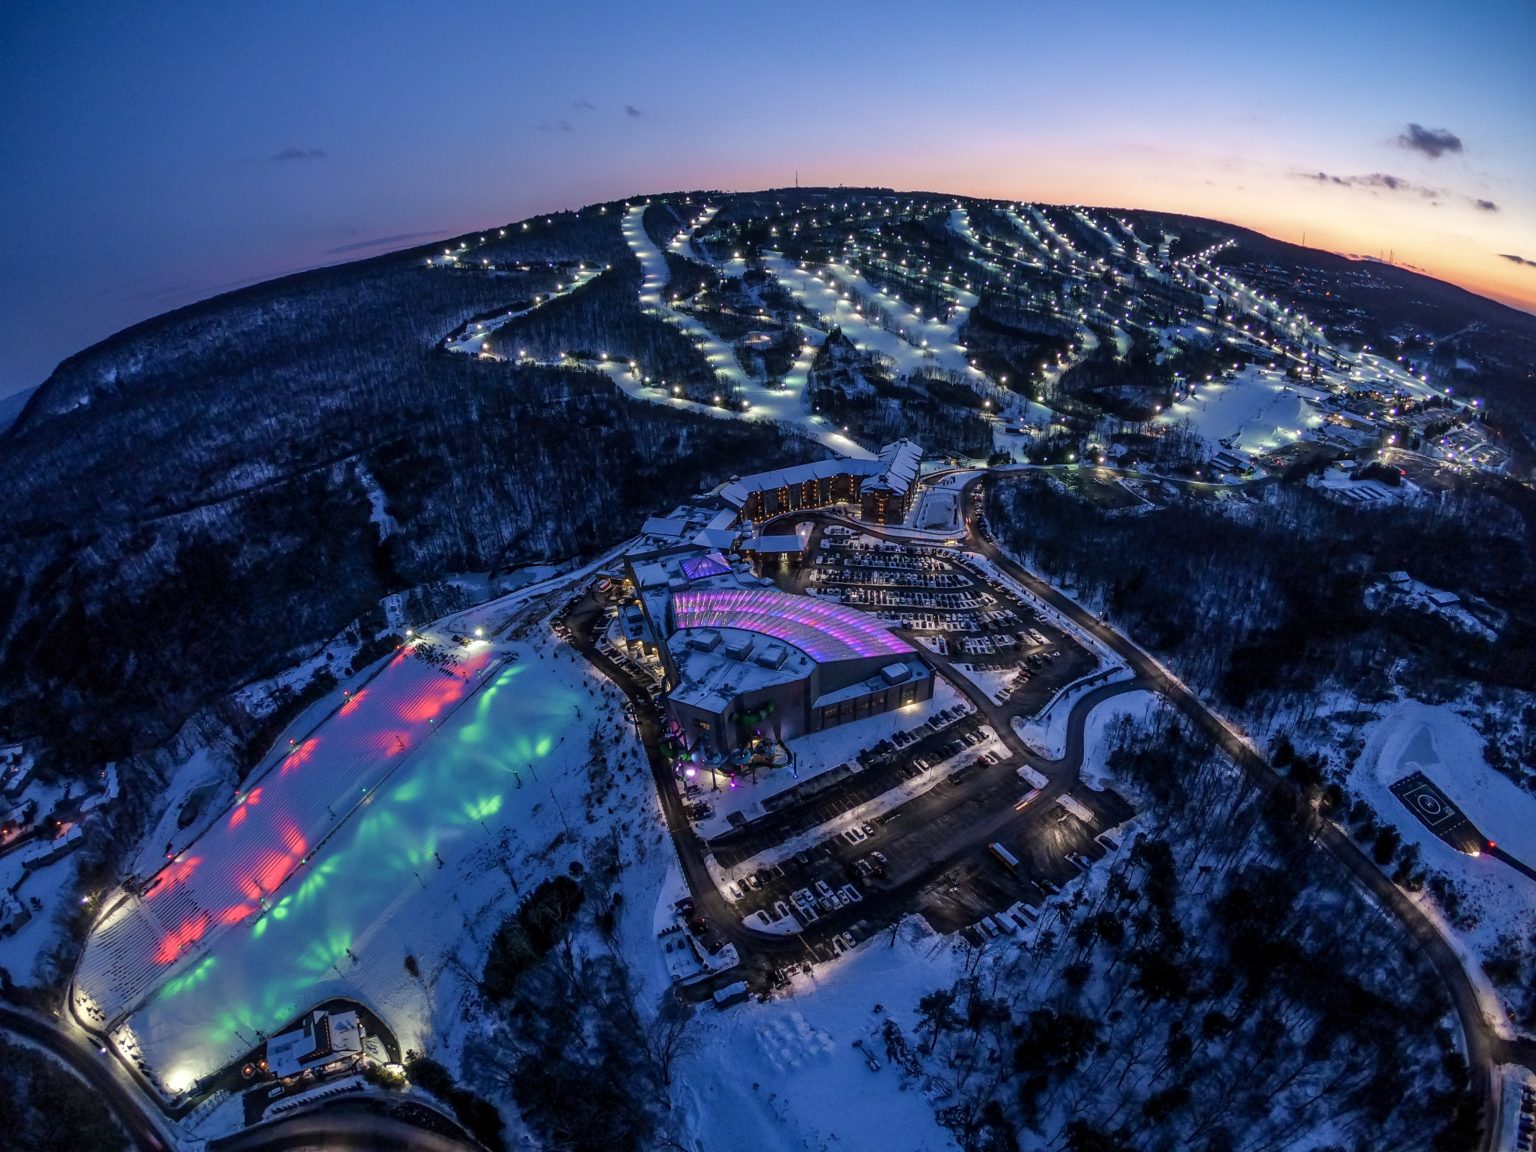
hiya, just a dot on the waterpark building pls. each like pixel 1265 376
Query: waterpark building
pixel 747 662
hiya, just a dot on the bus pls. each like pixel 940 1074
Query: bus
pixel 1007 857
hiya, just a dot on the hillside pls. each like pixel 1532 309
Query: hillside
pixel 190 504
pixel 204 499
pixel 1482 347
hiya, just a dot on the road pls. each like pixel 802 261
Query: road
pixel 340 1127
pixel 1482 1043
pixel 344 1125
pixel 101 1072
pixel 891 900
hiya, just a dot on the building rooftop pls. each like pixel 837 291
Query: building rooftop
pixel 715 666
pixel 698 524
pixel 895 673
pixel 823 630
pixel 788 542
pixel 899 465
pixel 320 1039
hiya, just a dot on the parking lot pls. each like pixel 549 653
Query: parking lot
pixel 843 867
pixel 940 599
pixel 929 748
pixel 869 860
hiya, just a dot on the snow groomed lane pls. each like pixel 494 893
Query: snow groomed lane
pixel 343 926
pixel 249 858
pixel 786 405
pixel 473 340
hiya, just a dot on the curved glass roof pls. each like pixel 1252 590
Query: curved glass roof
pixel 824 631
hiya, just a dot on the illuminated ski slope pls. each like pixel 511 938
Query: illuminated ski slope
pixel 1029 231
pixel 473 340
pixel 343 924
pixel 787 404
pixel 226 877
pixel 918 343
pixel 1257 410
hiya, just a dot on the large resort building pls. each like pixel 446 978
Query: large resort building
pixel 881 487
pixel 744 663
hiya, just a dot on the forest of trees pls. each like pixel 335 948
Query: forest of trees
pixel 1217 985
pixel 43 1108
pixel 186 508
pixel 859 390
pixel 1263 603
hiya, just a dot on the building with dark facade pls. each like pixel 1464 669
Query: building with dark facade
pixel 881 487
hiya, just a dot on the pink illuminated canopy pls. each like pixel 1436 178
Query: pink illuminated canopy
pixel 823 631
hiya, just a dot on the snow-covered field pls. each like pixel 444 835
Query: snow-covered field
pixel 426 861
pixel 785 1076
pixel 1140 706
pixel 1436 740
pixel 227 879
pixel 20 952
pixel 1257 407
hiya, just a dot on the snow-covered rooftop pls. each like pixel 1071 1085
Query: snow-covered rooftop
pixel 786 542
pixel 715 666
pixel 895 469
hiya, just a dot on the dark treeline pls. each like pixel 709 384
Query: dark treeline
pixel 1014 342
pixel 603 317
pixel 662 222
pixel 859 390
pixel 1220 986
pixel 44 1108
pixel 186 506
pixel 1089 241
pixel 1264 602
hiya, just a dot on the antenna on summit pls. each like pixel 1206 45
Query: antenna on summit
pixel 797 178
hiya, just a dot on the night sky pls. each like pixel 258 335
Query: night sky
pixel 155 154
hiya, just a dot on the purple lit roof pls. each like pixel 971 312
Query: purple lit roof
pixel 699 567
pixel 823 631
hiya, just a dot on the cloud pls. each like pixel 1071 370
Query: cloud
pixel 1386 182
pixel 632 112
pixel 1372 180
pixel 1510 256
pixel 560 125
pixel 379 242
pixel 1432 142
pixel 583 106
pixel 300 154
